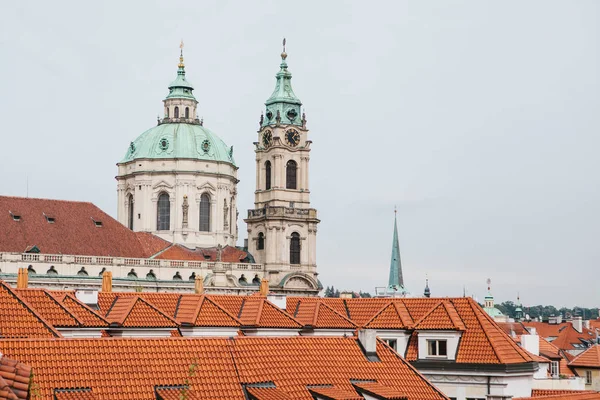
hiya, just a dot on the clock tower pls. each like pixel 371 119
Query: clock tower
pixel 282 227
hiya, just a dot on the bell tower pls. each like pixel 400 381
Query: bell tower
pixel 282 227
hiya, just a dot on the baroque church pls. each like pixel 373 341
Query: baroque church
pixel 177 207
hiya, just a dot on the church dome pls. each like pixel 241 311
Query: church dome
pixel 179 140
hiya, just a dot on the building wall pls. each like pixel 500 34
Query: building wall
pixel 463 385
pixel 595 384
pixel 146 179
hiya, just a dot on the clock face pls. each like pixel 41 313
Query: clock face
pixel 267 139
pixel 292 137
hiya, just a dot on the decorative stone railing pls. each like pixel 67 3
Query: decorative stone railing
pixel 121 261
pixel 282 212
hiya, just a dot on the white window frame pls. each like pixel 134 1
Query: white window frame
pixel 588 377
pixel 554 368
pixel 436 348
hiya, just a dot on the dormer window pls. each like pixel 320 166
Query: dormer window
pixel 14 216
pixel 437 348
pixel 49 219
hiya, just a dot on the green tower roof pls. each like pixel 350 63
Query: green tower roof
pixel 396 281
pixel 181 87
pixel 283 106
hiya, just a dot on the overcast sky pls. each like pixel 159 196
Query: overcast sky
pixel 479 119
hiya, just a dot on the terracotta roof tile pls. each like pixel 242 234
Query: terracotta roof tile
pixel 135 312
pixel 262 313
pixel 49 308
pixel 72 232
pixel 335 393
pixel 582 395
pixel 554 392
pixel 589 358
pixel 197 310
pixel 545 329
pixel 442 317
pixel 14 379
pixel 178 252
pixel 214 368
pixel 317 314
pixel 568 337
pixel 176 393
pixel 87 317
pixel 392 316
pixel 75 394
pixel 19 319
pixel 374 388
pixel 267 393
pixel 165 302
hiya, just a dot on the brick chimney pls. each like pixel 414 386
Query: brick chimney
pixel 22 278
pixel 107 281
pixel 264 287
pixel 199 285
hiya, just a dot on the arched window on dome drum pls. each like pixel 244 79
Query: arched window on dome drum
pixel 176 112
pixel 167 112
pixel 260 243
pixel 130 211
pixel 187 112
pixel 163 213
pixel 295 248
pixel 205 213
pixel 268 175
pixel 290 174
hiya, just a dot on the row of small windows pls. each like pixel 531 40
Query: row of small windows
pixel 291 175
pixel 176 112
pixel 132 274
pixel 294 246
pixel 163 212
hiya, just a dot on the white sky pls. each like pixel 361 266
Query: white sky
pixel 478 119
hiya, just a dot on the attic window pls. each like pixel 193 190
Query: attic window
pixel 14 216
pixel 97 223
pixel 49 219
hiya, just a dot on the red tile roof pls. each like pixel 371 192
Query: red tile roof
pixel 135 312
pixel 87 317
pixel 392 316
pixel 176 393
pixel 317 314
pixel 198 310
pixel 213 368
pixel 569 336
pixel 581 395
pixel 166 302
pixel 377 389
pixel 553 392
pixel 19 319
pixel 178 252
pixel 72 232
pixel 14 379
pixel 334 393
pixel 261 313
pixel 75 394
pixel 545 329
pixel 441 317
pixel 49 308
pixel 589 358
pixel 266 393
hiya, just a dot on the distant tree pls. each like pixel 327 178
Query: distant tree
pixel 364 294
pixel 336 293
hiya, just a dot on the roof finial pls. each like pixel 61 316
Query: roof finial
pixel 181 64
pixel 395 210
pixel 283 54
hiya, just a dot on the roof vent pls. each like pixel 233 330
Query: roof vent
pixel 14 216
pixel 97 223
pixel 49 219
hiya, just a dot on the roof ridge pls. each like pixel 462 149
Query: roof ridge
pixel 337 313
pixel 259 311
pixel 595 347
pixel 158 310
pixel 84 306
pixel 47 293
pixel 207 299
pixel 131 299
pixel 445 307
pixel 29 308
pixel 453 314
pixel 410 320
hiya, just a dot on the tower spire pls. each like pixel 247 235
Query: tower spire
pixel 396 281
pixel 181 64
pixel 427 292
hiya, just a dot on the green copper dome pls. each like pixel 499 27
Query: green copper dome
pixel 179 140
pixel 283 106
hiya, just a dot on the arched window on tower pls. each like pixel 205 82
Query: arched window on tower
pixel 205 213
pixel 260 243
pixel 167 112
pixel 163 213
pixel 187 112
pixel 130 211
pixel 176 112
pixel 295 248
pixel 291 170
pixel 268 175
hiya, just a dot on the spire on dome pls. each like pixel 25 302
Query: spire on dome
pixel 283 101
pixel 396 281
pixel 427 292
pixel 181 87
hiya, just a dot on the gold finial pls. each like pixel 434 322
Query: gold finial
pixel 181 64
pixel 283 54
pixel 395 210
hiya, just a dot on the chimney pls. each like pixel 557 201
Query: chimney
pixel 107 281
pixel 22 278
pixel 577 324
pixel 199 285
pixel 531 342
pixel 264 287
pixel 368 340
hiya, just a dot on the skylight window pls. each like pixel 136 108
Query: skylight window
pixel 97 223
pixel 14 216
pixel 49 219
